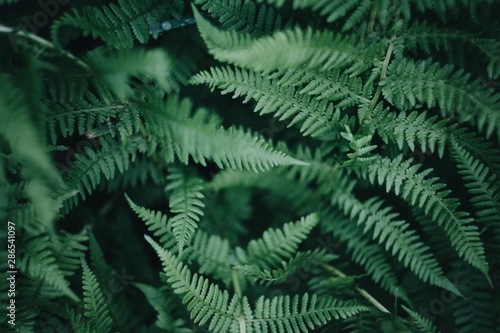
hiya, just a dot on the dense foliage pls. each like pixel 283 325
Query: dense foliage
pixel 250 165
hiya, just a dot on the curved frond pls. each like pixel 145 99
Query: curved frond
pixel 294 48
pixel 418 189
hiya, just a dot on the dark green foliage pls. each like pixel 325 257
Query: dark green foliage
pixel 348 183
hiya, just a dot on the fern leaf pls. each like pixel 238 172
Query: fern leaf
pixel 69 251
pixel 287 49
pixel 363 251
pixel 301 261
pixel 88 169
pixel 396 237
pixel 417 189
pixel 119 24
pixel 482 184
pixel 186 203
pixel 276 245
pixel 411 129
pixel 39 263
pixel 300 314
pixel 205 301
pixel 423 36
pixel 156 222
pixel 96 309
pixel 243 16
pixel 213 254
pixel 186 135
pixel 284 103
pixel 424 325
pixel 409 83
pixel 473 312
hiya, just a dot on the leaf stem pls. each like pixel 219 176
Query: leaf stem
pixel 43 42
pixel 362 292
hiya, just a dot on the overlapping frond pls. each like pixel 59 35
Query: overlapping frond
pixel 410 83
pixel 411 129
pixel 243 16
pixel 277 245
pixel 318 118
pixel 482 184
pixel 418 189
pixel 119 24
pixel 395 235
pixel 186 135
pixel 321 50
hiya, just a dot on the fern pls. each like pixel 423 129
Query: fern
pixel 282 101
pixel 186 203
pixel 482 185
pixel 427 194
pixel 118 24
pixel 39 263
pixel 396 237
pixel 410 128
pixel 424 325
pixel 156 223
pixel 427 37
pixel 243 16
pixel 310 49
pixel 95 304
pixel 374 130
pixel 227 313
pixel 276 245
pixel 194 138
pixel 409 83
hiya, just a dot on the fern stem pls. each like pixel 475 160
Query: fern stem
pixel 236 281
pixel 383 74
pixel 373 15
pixel 44 43
pixel 361 291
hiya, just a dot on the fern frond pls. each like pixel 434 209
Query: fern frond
pixel 85 113
pixel 243 16
pixel 162 305
pixel 115 68
pixel 486 152
pixel 482 185
pixel 301 314
pixel 374 216
pixel 473 313
pixel 120 24
pixel 213 254
pixel 417 189
pixel 424 325
pixel 295 48
pixel 409 82
pixel 184 135
pixel 301 261
pixel 370 255
pixel 88 169
pixel 95 304
pixel 422 36
pixel 69 251
pixel 317 117
pixel 333 85
pixel 38 262
pixel 78 322
pixel 277 245
pixel 205 301
pixel 186 202
pixel 412 129
pixel 156 223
